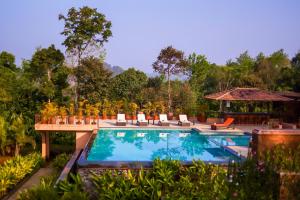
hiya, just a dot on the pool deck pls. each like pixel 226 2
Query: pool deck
pixel 203 127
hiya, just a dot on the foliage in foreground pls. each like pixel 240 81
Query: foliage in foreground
pixel 167 180
pixel 60 161
pixel 16 169
pixel 259 179
pixel 65 190
pixel 251 179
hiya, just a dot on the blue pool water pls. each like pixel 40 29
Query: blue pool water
pixel 231 140
pixel 126 145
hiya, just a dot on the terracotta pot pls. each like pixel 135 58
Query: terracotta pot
pixel 104 116
pixel 71 120
pixel 88 120
pixel 53 120
pixel 170 116
pixel 37 118
pixel 133 117
pixel 201 118
pixel 192 119
pixel 156 117
pixel 112 117
pixel 127 117
pixel 148 117
pixel 44 121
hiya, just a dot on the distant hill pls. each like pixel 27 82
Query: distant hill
pixel 114 69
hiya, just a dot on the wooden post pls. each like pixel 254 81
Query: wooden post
pixel 45 145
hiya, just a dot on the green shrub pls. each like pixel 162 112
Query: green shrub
pixel 16 169
pixel 167 180
pixel 65 190
pixel 259 179
pixel 60 161
pixel 44 191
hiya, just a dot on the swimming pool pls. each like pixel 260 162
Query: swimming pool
pixel 121 146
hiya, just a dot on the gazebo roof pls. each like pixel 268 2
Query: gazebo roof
pixel 290 94
pixel 247 94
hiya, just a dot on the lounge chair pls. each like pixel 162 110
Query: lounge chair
pixel 141 121
pixel 121 120
pixel 226 124
pixel 183 121
pixel 163 120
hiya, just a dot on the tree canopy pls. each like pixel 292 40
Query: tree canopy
pixel 93 79
pixel 128 85
pixel 169 62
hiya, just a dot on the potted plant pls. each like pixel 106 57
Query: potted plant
pixel 88 113
pixel 105 107
pixel 177 112
pixel 44 116
pixel 159 109
pixel 202 109
pixel 49 113
pixel 192 113
pixel 126 109
pixel 97 109
pixel 71 111
pixel 118 106
pixel 112 112
pixel 80 112
pixel 147 110
pixel 94 113
pixel 133 108
pixel 62 114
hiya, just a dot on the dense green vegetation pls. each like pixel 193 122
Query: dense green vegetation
pixel 16 169
pixel 252 179
pixel 65 190
pixel 49 76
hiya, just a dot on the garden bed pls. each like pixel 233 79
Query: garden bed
pixel 15 171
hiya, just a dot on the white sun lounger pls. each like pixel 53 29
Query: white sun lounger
pixel 141 120
pixel 183 121
pixel 121 121
pixel 163 120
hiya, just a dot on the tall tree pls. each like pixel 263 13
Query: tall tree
pixel 128 84
pixel 93 79
pixel 8 60
pixel 296 69
pixel 274 70
pixel 86 30
pixel 170 62
pixel 44 67
pixel 198 70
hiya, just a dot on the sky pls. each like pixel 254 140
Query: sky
pixel 219 29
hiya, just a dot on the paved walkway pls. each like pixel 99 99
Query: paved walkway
pixel 33 180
